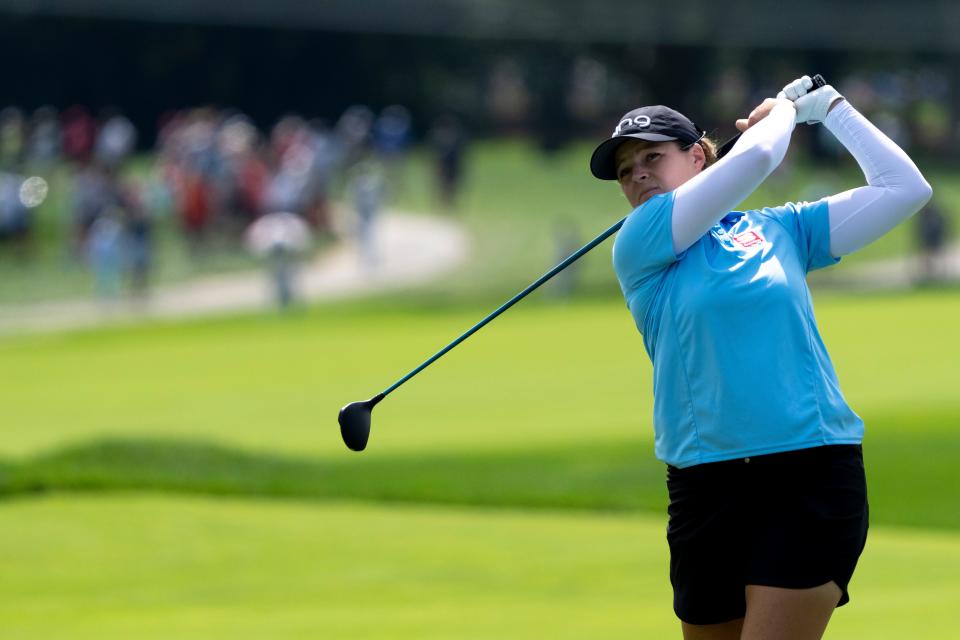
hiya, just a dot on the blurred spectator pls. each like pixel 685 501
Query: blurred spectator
pixel 188 163
pixel 115 140
pixel 90 196
pixel 289 187
pixel 244 171
pixel 391 133
pixel 286 133
pixel 353 131
pixel 304 159
pixel 368 191
pixel 448 142
pixel 156 197
pixel 326 160
pixel 932 232
pixel 280 237
pixel 16 219
pixel 11 139
pixel 138 232
pixel 44 143
pixel 105 253
pixel 112 229
pixel 79 131
pixel 196 209
pixel 391 136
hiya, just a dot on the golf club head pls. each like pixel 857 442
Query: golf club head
pixel 354 422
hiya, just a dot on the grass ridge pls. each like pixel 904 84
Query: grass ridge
pixel 606 476
pixel 566 478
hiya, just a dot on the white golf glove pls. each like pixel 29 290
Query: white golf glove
pixel 811 107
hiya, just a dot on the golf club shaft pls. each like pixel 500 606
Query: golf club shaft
pixel 724 149
pixel 512 301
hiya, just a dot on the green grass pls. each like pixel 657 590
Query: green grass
pixel 549 408
pixel 157 567
pixel 154 567
pixel 547 374
pixel 510 490
pixel 912 479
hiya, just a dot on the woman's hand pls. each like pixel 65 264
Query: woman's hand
pixel 812 103
pixel 760 112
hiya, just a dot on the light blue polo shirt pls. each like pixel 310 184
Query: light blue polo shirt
pixel 739 368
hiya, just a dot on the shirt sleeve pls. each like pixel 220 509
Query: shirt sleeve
pixel 643 251
pixel 808 224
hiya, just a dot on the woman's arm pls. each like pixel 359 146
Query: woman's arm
pixel 704 199
pixel 895 188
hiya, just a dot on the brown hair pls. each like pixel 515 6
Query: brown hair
pixel 709 147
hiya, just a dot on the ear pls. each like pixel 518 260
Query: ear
pixel 699 157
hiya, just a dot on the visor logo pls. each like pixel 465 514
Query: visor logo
pixel 639 122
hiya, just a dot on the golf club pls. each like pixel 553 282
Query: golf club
pixel 354 418
pixel 724 149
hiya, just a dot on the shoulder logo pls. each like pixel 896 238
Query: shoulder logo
pixel 748 239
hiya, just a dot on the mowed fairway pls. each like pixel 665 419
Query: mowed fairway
pixel 508 491
pixel 541 375
pixel 157 567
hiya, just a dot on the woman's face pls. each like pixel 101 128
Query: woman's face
pixel 645 169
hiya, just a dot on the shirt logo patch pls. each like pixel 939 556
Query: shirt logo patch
pixel 748 239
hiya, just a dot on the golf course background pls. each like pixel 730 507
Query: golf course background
pixel 187 479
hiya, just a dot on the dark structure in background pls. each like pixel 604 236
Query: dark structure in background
pixel 871 25
pixel 269 57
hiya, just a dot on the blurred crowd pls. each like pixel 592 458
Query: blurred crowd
pixel 213 173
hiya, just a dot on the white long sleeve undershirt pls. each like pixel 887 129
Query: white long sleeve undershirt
pixel 701 201
pixel 895 188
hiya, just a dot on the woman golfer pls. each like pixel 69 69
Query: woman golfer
pixel 768 503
